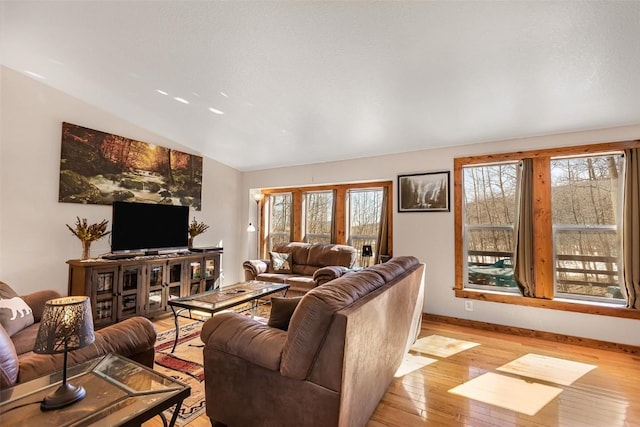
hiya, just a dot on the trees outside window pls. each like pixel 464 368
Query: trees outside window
pixel 318 216
pixel 365 209
pixel 278 222
pixel 347 214
pixel 490 203
pixel 568 240
pixel 586 209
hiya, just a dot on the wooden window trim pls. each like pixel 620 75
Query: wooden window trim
pixel 543 246
pixel 340 201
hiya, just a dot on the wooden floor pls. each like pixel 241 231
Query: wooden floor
pixel 608 396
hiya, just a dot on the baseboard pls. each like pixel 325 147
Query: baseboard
pixel 531 333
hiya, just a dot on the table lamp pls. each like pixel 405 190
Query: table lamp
pixel 67 324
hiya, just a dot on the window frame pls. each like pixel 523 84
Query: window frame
pixel 341 214
pixel 544 271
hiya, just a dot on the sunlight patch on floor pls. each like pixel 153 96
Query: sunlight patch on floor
pixel 508 393
pixel 440 346
pixel 412 362
pixel 545 368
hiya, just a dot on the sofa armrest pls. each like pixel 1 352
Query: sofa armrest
pixel 244 337
pixel 36 300
pixel 133 338
pixel 327 274
pixel 254 267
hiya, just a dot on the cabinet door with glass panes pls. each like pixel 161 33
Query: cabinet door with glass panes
pixel 204 274
pixel 176 275
pixel 104 295
pixel 130 292
pixel 156 300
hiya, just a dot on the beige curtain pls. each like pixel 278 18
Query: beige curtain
pixel 382 245
pixel 523 250
pixel 631 228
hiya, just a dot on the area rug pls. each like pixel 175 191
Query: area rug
pixel 440 346
pixel 507 392
pixel 185 365
pixel 545 368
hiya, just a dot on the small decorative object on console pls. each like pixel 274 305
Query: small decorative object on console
pixel 195 229
pixel 88 233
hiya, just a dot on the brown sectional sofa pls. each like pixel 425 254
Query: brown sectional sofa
pixel 306 259
pixel 133 338
pixel 345 340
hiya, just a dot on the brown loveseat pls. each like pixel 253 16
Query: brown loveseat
pixel 305 260
pixel 345 341
pixel 133 338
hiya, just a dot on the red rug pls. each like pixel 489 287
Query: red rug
pixel 185 365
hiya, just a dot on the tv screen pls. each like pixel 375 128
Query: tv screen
pixel 144 226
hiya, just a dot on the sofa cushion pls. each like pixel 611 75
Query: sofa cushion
pixel 321 255
pixel 281 311
pixel 15 314
pixel 280 262
pixel 9 367
pixel 24 340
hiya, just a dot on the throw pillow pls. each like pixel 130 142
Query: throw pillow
pixel 280 262
pixel 281 311
pixel 15 314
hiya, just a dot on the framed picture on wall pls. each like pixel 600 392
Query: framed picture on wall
pixel 424 192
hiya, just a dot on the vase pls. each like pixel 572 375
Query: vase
pixel 86 249
pixel 190 242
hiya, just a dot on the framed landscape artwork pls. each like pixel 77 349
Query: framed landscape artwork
pixel 100 168
pixel 424 192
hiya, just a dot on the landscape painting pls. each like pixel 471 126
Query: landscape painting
pixel 99 168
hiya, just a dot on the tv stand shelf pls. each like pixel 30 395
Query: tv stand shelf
pixel 142 285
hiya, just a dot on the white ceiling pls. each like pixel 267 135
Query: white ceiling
pixel 307 82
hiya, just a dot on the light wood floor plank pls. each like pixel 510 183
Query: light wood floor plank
pixel 607 396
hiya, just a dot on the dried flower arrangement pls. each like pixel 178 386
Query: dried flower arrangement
pixel 88 233
pixel 196 228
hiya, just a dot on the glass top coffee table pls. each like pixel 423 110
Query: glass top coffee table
pixel 224 298
pixel 120 392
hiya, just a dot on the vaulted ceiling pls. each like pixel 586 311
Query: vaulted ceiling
pixel 265 84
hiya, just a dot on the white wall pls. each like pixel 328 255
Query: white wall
pixel 34 242
pixel 430 236
pixel 34 238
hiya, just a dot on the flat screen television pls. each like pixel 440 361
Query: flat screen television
pixel 148 227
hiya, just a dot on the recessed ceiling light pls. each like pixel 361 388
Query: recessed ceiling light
pixel 32 74
pixel 177 98
pixel 224 94
pixel 161 92
pixel 215 110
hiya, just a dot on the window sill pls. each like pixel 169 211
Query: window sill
pixel 587 307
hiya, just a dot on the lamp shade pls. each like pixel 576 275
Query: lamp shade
pixel 67 324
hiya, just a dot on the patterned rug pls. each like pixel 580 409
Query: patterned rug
pixel 185 365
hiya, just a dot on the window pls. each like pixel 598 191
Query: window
pixel 318 216
pixel 279 219
pixel 365 210
pixel 350 214
pixel 568 238
pixel 586 206
pixel 490 202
